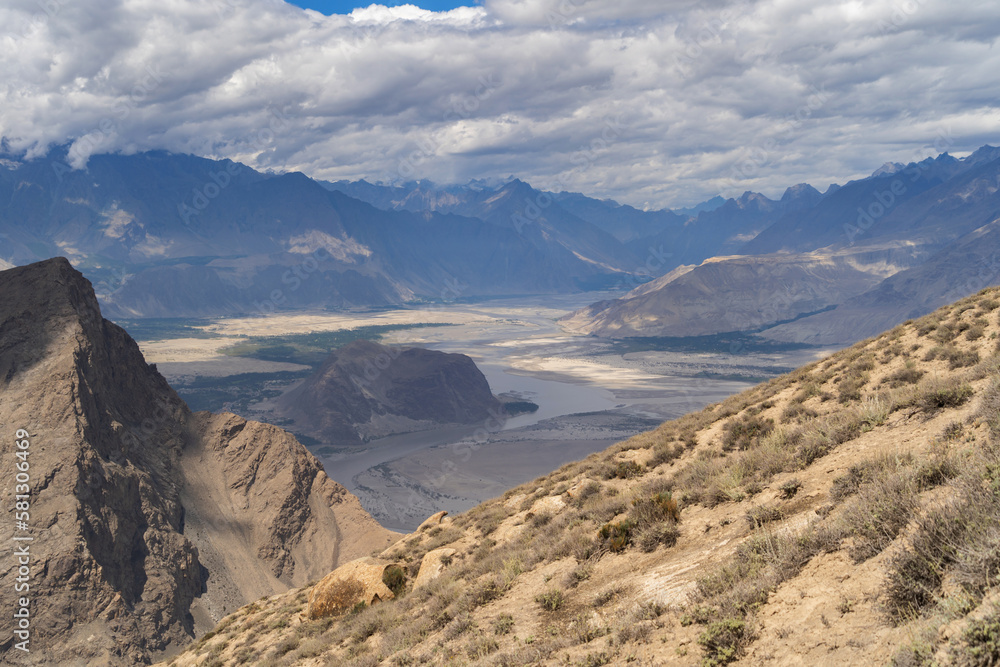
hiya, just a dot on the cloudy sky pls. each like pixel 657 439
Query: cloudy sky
pixel 651 102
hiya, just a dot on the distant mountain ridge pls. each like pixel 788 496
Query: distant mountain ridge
pixel 873 252
pixel 169 235
pixel 175 236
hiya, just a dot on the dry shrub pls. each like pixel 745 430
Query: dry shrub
pixel 664 452
pixel 758 516
pixel 949 393
pixel 980 642
pixel 723 641
pixel 909 374
pixel 651 537
pixel 960 539
pixel 797 412
pixel 989 407
pixel 881 509
pixel 623 470
pixel 849 388
pixel 394 577
pixel 550 600
pixel 740 434
pixel 975 332
pixel 656 508
pixel 617 536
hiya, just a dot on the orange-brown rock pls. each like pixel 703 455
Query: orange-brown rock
pixel 348 585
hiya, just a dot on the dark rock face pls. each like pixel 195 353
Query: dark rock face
pixel 117 468
pixel 366 390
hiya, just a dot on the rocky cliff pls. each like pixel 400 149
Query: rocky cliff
pixel 147 522
pixel 367 390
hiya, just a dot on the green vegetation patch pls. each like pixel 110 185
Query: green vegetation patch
pixel 312 349
pixel 152 329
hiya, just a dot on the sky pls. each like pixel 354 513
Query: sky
pixel 347 6
pixel 652 103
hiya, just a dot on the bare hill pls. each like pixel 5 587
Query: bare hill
pixel 147 522
pixel 845 513
pixel 367 390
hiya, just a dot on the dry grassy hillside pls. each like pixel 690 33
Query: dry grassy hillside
pixel 845 514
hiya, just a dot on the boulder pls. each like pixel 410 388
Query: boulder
pixel 433 565
pixel 360 580
pixel 433 520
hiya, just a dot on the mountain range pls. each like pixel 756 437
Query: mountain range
pixel 859 259
pixel 170 235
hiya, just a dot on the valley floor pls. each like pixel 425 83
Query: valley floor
pixel 591 393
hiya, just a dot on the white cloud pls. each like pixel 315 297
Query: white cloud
pixel 650 103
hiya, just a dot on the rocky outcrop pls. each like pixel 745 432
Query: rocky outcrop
pixel 366 390
pixel 432 565
pixel 360 581
pixel 148 522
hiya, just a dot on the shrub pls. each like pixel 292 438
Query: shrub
pixel 980 646
pixel 958 538
pixel 459 626
pixel 944 394
pixel 656 508
pixel 596 659
pixel 664 452
pixel 944 334
pixel 909 374
pixel 653 536
pixel 797 412
pixel 394 577
pixel 881 510
pixel 962 358
pixel 927 325
pixel 742 433
pixel 586 491
pixel 482 647
pixel 790 488
pixel 848 484
pixel 975 332
pixel 608 594
pixel 617 536
pixel 723 641
pixel 503 624
pixel 849 388
pixel 550 600
pixel 758 516
pixel 874 412
pixel 989 407
pixel 625 470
